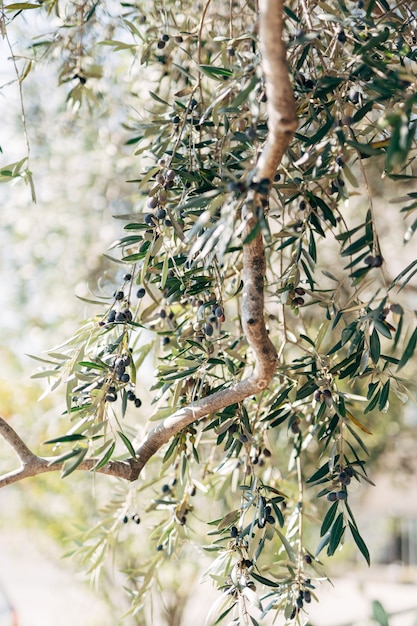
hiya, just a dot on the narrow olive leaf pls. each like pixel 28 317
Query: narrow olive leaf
pixel 328 519
pixel 357 422
pixel 379 613
pixel 71 464
pixel 323 471
pixel 215 72
pixel 360 543
pixel 402 274
pixel 322 544
pixel 63 457
pixel 383 399
pixel 127 443
pixel 375 346
pixel 287 546
pixel 66 439
pixel 336 534
pixel 409 350
pixel 264 581
pixel 106 456
pixel 21 6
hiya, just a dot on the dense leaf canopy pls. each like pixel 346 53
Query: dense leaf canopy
pixel 169 336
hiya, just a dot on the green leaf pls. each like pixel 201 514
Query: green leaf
pixel 66 439
pixel 336 535
pixel 71 464
pixel 21 6
pixel 375 346
pixel 360 543
pixel 328 519
pixel 106 456
pixel 379 613
pixel 264 581
pixel 409 350
pixel 323 471
pixel 402 274
pixel 384 395
pixel 215 72
pixel 127 443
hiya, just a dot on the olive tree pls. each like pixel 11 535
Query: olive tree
pixel 255 320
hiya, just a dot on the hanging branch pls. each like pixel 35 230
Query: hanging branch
pixel 281 127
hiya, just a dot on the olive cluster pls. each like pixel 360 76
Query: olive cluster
pixel 295 296
pixel 122 377
pixel 265 513
pixel 303 596
pixel 134 518
pixel 206 324
pixel 120 311
pixel 158 199
pixel 343 477
pixel 323 395
pixel 163 41
pixel 258 455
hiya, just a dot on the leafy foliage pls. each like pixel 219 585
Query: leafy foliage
pixel 343 325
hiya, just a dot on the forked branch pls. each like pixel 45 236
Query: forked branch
pixel 282 123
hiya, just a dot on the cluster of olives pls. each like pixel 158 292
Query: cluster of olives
pixel 120 312
pixel 323 395
pixel 266 518
pixel 295 297
pixel 205 328
pixel 304 595
pixel 134 518
pixel 156 202
pixel 257 455
pixel 343 477
pixel 121 376
pixel 163 41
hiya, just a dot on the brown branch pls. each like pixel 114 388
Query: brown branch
pixel 32 465
pixel 281 126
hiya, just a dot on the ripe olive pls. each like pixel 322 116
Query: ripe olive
pixel 208 329
pixel 112 316
pixel 152 202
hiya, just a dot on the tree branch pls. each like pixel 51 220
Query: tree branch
pixel 32 465
pixel 282 123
